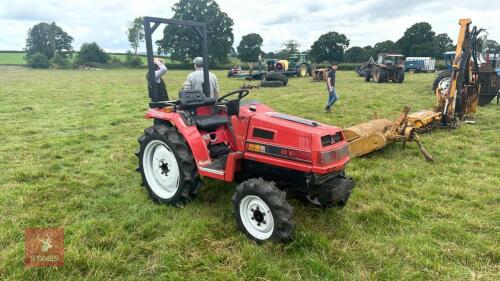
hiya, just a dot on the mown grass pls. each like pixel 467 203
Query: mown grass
pixel 68 139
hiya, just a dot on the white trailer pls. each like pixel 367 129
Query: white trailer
pixel 420 64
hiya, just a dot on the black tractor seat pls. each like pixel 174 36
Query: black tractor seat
pixel 210 122
pixel 190 100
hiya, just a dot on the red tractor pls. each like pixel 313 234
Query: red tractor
pixel 230 139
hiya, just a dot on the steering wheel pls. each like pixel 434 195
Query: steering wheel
pixel 241 94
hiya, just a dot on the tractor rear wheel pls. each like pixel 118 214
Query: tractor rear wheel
pixel 302 70
pixel 401 77
pixel 262 212
pixel 167 166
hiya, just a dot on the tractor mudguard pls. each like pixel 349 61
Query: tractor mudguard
pixel 190 133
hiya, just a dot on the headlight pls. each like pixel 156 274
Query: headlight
pixel 332 156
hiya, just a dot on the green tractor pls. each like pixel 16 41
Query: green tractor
pixel 300 63
pixel 297 65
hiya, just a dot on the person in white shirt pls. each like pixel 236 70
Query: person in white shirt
pixel 195 79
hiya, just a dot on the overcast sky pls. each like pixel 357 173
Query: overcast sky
pixel 363 22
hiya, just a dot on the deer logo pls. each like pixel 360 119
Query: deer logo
pixel 46 244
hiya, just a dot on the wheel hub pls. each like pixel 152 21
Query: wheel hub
pixel 257 217
pixel 161 169
pixel 164 168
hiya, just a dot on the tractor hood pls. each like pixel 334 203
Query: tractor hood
pixel 303 126
pixel 321 147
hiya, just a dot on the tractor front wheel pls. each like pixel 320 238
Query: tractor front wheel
pixel 441 76
pixel 375 76
pixel 262 212
pixel 167 166
pixel 380 76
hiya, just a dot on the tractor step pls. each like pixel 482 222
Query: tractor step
pixel 222 168
pixel 216 167
pixel 218 164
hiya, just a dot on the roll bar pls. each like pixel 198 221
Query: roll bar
pixel 201 30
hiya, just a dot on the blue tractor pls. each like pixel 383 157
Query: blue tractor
pixel 488 75
pixel 448 63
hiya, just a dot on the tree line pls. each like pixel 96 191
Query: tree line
pixel 48 44
pixel 419 40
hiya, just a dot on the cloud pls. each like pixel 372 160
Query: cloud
pixel 281 19
pixel 363 22
pixel 313 7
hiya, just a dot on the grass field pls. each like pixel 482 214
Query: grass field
pixel 15 58
pixel 12 58
pixel 68 139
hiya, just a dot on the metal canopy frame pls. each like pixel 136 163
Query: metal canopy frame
pixel 201 30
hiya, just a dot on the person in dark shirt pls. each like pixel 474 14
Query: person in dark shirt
pixel 330 85
pixel 160 70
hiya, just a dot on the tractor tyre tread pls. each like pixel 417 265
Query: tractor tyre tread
pixel 275 198
pixel 275 76
pixel 190 180
pixel 367 76
pixel 272 84
pixel 440 77
pixel 382 76
pixel 401 77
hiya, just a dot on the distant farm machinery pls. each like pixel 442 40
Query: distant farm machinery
pixel 320 74
pixel 387 67
pixel 457 98
pixel 297 65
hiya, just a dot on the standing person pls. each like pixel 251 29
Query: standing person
pixel 195 80
pixel 259 59
pixel 330 85
pixel 160 70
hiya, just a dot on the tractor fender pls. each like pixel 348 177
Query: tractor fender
pixel 190 133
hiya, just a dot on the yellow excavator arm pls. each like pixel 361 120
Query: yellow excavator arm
pixel 451 95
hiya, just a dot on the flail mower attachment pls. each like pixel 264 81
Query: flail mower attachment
pixel 367 137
